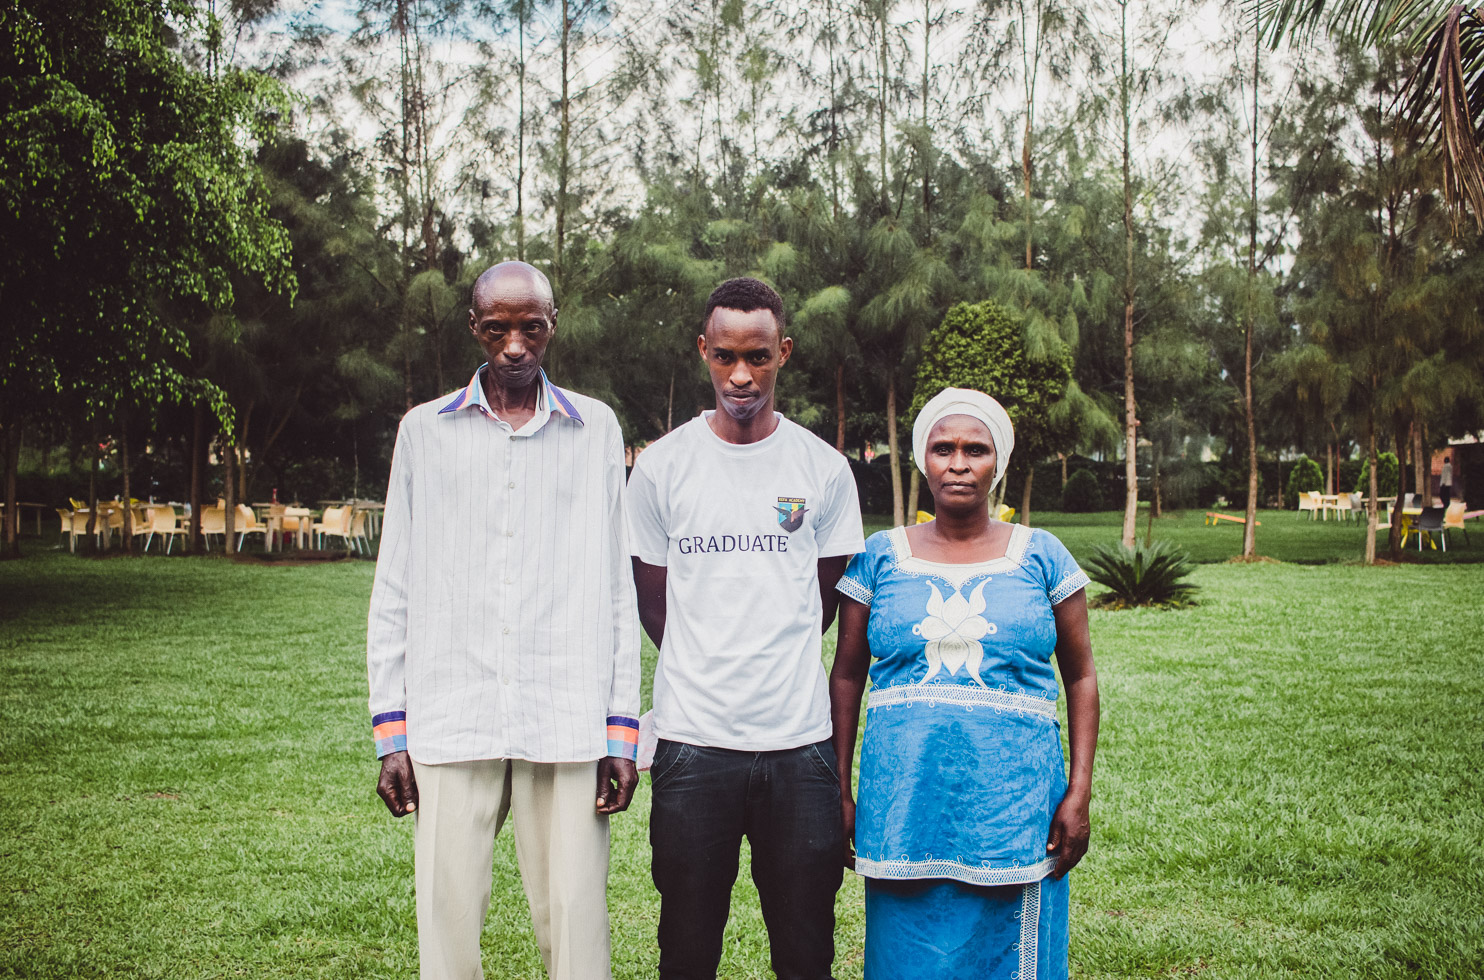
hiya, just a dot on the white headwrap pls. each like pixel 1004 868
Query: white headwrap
pixel 975 404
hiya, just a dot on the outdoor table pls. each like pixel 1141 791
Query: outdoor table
pixel 22 505
pixel 373 514
pixel 1328 502
pixel 306 517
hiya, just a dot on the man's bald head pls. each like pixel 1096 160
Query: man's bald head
pixel 512 281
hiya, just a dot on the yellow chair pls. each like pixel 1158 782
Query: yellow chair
pixel 247 523
pixel 923 517
pixel 1453 519
pixel 334 523
pixel 359 539
pixel 73 524
pixel 162 520
pixel 1309 501
pixel 213 521
pixel 1006 514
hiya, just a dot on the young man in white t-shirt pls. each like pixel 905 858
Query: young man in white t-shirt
pixel 741 522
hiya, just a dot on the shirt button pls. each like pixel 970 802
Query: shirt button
pixel 512 484
pixel 510 581
pixel 509 534
pixel 505 681
pixel 506 630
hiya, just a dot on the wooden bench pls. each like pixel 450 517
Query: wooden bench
pixel 1212 517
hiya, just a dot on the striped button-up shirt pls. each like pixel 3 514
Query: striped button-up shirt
pixel 503 623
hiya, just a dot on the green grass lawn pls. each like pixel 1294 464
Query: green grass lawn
pixel 1287 782
pixel 1282 534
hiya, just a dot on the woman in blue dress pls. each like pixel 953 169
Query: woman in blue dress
pixel 967 822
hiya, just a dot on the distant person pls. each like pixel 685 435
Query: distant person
pixel 1445 482
pixel 741 522
pixel 503 648
pixel 966 825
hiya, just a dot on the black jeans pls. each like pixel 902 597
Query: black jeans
pixel 788 805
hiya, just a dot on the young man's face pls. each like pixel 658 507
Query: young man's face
pixel 743 352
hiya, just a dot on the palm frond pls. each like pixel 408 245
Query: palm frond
pixel 1444 97
pixel 1364 21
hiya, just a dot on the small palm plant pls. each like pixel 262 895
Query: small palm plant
pixel 1147 575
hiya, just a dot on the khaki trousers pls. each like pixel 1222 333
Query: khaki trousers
pixel 561 846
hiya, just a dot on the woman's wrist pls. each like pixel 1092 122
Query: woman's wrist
pixel 1079 791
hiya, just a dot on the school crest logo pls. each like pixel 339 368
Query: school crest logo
pixel 791 511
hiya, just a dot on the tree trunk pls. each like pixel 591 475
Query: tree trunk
pixel 1399 435
pixel 914 491
pixel 564 147
pixel 1371 503
pixel 198 463
pixel 1156 502
pixel 1249 530
pixel 229 494
pixel 1063 458
pixel 124 471
pixel 1329 468
pixel 520 135
pixel 95 452
pixel 1130 417
pixel 1149 521
pixel 1421 477
pixel 881 130
pixel 242 465
pixel 670 404
pixel 840 406
pixel 1025 495
pixel 12 465
pixel 898 518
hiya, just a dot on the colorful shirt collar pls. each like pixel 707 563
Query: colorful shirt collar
pixel 550 400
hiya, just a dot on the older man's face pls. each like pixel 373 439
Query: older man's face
pixel 513 322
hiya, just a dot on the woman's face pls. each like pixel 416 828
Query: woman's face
pixel 960 462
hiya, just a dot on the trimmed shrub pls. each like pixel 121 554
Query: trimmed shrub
pixel 1305 476
pixel 1140 576
pixel 1082 494
pixel 1388 476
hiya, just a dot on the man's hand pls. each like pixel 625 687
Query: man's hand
pixel 1070 830
pixel 616 781
pixel 397 786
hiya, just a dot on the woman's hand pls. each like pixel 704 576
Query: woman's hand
pixel 847 812
pixel 1070 830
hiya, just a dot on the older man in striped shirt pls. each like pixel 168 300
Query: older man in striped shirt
pixel 503 647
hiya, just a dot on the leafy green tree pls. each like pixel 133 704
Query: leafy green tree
pixel 1304 477
pixel 981 346
pixel 128 190
pixel 1388 475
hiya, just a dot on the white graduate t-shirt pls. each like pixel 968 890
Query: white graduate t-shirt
pixel 740 530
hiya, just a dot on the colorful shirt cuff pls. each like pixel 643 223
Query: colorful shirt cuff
pixel 623 737
pixel 389 729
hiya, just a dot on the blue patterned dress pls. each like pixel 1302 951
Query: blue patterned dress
pixel 961 764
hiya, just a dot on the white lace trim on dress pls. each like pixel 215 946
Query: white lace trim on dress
pixel 956 870
pixel 957 694
pixel 1030 923
pixel 853 589
pixel 1067 586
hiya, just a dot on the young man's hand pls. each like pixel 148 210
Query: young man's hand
pixel 616 781
pixel 397 786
